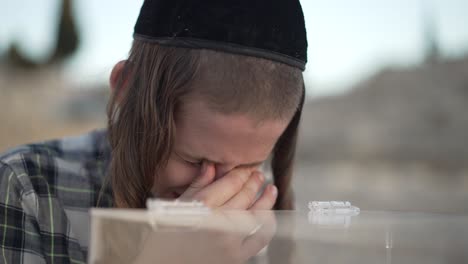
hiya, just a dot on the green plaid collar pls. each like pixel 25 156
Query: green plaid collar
pixel 46 190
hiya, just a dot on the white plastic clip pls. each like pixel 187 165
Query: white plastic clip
pixel 176 207
pixel 335 207
pixel 332 213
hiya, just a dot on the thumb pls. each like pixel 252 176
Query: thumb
pixel 204 178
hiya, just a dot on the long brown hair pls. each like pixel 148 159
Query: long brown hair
pixel 157 79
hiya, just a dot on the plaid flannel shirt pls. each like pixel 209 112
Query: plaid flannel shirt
pixel 46 190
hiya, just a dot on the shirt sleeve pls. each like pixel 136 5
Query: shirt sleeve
pixel 20 237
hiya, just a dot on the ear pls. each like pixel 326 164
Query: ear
pixel 117 74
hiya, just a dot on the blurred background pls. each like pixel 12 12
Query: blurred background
pixel 385 124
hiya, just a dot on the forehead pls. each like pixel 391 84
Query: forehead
pixel 226 138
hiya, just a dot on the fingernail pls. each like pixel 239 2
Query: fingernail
pixel 274 190
pixel 204 168
pixel 260 176
pixel 245 175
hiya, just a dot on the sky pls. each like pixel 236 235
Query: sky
pixel 349 40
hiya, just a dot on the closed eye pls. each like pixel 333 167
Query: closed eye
pixel 192 163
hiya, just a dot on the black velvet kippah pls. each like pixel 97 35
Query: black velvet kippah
pixel 270 29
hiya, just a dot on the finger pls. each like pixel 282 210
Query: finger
pixel 236 222
pixel 259 239
pixel 206 176
pixel 267 199
pixel 241 221
pixel 267 218
pixel 220 191
pixel 246 197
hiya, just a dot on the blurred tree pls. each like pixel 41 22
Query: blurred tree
pixel 67 42
pixel 432 51
pixel 67 34
pixel 15 59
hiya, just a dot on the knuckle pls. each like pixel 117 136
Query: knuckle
pixel 259 175
pixel 255 183
pixel 242 173
pixel 237 181
pixel 258 180
pixel 250 193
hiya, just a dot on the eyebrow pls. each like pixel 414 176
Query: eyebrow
pixel 192 158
